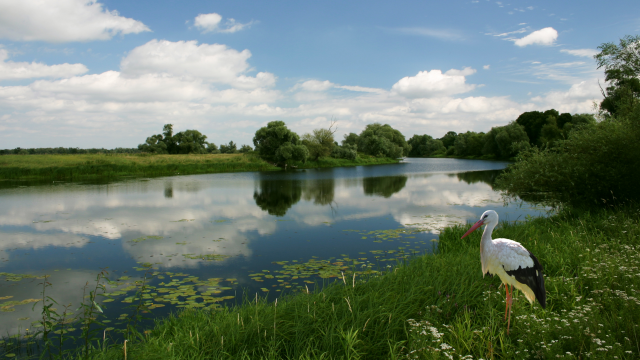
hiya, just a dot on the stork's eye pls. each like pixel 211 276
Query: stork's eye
pixel 484 217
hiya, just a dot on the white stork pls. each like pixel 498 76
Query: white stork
pixel 515 265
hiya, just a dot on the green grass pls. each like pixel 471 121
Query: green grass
pixel 439 306
pixel 111 166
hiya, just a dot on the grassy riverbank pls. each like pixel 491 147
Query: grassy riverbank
pixel 110 166
pixel 439 306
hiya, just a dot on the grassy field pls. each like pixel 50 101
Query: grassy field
pixel 101 166
pixel 437 307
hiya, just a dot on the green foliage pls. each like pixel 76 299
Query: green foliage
pixel 425 145
pixel 469 144
pixel 319 144
pixel 245 149
pixel 346 151
pixel 351 139
pixel 184 142
pixel 383 140
pixel 231 148
pixel 154 144
pixel 269 139
pixel 534 121
pixel 592 167
pixel 212 148
pixel 622 71
pixel 188 142
pixel 449 139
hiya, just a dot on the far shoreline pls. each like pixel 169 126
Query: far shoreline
pixel 79 167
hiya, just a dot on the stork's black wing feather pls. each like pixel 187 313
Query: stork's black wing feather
pixel 533 278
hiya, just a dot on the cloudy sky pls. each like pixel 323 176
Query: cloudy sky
pixel 109 73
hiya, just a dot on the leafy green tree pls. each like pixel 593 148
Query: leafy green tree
pixel 269 140
pixel 511 139
pixel 190 142
pixel 449 139
pixel 534 121
pixel 346 151
pixel 154 144
pixel 425 145
pixel 245 149
pixel 167 132
pixel 469 144
pixel 228 149
pixel 351 139
pixel 622 71
pixel 320 143
pixel 212 148
pixel 383 140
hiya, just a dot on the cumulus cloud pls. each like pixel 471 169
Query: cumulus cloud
pixel 546 36
pixel 581 52
pixel 10 70
pixel 434 83
pixel 211 23
pixel 63 21
pixel 314 85
pixel 579 98
pixel 211 62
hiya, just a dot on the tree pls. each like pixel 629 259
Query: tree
pixel 534 121
pixel 383 140
pixel 228 149
pixel 351 139
pixel 212 148
pixel 622 71
pixel 245 149
pixel 469 144
pixel 269 139
pixel 320 143
pixel 189 142
pixel 425 145
pixel 154 144
pixel 449 139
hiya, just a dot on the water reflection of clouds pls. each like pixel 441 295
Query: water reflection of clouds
pixel 141 208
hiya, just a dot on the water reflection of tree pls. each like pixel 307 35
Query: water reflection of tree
pixel 472 177
pixel 383 186
pixel 321 191
pixel 277 196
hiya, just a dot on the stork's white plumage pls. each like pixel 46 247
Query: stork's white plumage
pixel 515 265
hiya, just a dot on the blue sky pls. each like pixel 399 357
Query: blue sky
pixel 84 73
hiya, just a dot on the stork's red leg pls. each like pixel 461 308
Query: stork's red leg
pixel 506 308
pixel 510 299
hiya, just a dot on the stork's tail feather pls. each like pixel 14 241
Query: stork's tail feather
pixel 539 290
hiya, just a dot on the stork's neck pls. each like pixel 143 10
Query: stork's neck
pixel 486 235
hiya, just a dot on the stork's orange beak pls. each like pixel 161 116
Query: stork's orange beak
pixel 473 228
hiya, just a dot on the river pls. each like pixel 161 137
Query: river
pixel 204 240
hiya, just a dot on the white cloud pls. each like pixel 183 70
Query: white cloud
pixel 434 83
pixel 211 23
pixel 546 36
pixel 211 62
pixel 10 70
pixel 579 98
pixel 314 85
pixel 581 52
pixel 486 67
pixel 63 21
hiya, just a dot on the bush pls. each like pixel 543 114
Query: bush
pixel 594 166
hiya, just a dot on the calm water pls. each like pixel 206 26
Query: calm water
pixel 257 232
